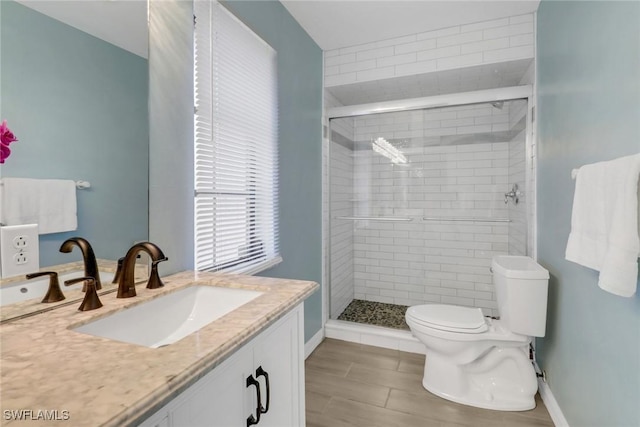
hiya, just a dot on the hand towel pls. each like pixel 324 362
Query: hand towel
pixel 604 223
pixel 50 203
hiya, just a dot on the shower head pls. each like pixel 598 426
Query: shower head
pixel 498 104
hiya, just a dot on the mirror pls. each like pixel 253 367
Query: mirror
pixel 79 108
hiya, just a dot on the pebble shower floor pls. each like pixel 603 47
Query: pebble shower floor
pixel 375 313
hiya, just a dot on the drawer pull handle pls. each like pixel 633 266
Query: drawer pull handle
pixel 251 420
pixel 262 373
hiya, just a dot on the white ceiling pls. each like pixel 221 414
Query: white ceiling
pixel 119 22
pixel 339 23
pixel 332 24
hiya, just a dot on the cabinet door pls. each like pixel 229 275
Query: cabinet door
pixel 219 399
pixel 222 398
pixel 159 419
pixel 279 353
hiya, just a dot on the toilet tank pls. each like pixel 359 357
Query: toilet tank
pixel 521 290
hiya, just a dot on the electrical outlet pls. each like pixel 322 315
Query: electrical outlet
pixel 19 252
pixel 21 242
pixel 21 258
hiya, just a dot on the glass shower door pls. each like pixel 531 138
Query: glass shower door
pixel 418 206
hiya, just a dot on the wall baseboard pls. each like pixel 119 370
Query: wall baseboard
pixel 376 336
pixel 314 342
pixel 552 405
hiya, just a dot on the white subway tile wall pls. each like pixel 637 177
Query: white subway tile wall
pixel 481 43
pixel 430 261
pixel 422 261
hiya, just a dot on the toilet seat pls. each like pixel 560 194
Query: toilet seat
pixel 451 318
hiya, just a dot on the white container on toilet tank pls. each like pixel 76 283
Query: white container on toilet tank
pixel 521 291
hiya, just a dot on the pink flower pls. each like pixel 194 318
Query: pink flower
pixel 4 152
pixel 6 136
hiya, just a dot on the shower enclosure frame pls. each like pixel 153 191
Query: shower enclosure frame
pixel 524 92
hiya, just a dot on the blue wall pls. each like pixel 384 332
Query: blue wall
pixel 588 111
pixel 300 145
pixel 79 108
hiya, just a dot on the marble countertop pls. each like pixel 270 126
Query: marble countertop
pixel 93 381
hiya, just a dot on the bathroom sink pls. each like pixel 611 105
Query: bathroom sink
pixel 169 318
pixel 37 288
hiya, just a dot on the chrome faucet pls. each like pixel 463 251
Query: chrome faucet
pixel 126 284
pixel 90 264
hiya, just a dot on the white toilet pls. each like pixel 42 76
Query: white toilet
pixel 483 362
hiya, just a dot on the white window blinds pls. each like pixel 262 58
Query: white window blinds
pixel 236 134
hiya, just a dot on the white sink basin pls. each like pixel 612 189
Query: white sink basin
pixel 37 288
pixel 169 318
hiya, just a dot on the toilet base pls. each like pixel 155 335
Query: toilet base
pixel 480 402
pixel 501 380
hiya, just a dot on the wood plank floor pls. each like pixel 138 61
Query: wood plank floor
pixel 349 384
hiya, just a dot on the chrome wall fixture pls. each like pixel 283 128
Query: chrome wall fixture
pixel 514 194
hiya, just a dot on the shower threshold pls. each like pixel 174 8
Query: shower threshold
pixel 375 313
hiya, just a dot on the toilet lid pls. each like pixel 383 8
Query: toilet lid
pixel 449 317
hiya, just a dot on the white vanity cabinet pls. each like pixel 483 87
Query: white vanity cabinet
pixel 228 395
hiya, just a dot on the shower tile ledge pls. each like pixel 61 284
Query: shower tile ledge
pixel 377 336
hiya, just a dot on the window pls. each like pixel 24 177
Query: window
pixel 236 134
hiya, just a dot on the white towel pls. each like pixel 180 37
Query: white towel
pixel 604 223
pixel 50 203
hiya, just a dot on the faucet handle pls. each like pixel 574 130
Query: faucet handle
pixel 91 300
pixel 116 277
pixel 513 195
pixel 54 293
pixel 154 278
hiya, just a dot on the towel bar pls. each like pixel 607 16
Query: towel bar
pixel 374 218
pixel 80 185
pixel 427 218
